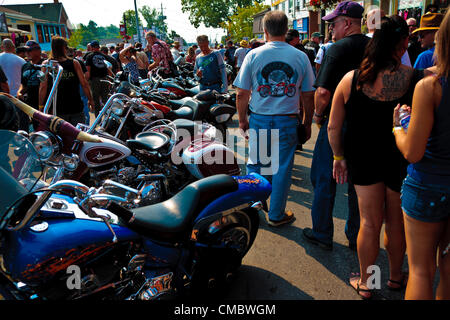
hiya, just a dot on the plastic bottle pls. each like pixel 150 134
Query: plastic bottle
pixel 404 117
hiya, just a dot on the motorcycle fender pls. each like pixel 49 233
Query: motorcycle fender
pixel 252 188
pixel 219 109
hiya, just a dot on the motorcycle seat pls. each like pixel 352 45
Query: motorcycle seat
pixel 185 124
pixel 150 140
pixel 183 113
pixel 172 219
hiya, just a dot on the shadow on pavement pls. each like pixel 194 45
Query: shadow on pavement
pixel 252 283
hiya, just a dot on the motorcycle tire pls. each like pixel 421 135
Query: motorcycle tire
pixel 215 269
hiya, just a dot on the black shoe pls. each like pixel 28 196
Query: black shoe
pixel 308 235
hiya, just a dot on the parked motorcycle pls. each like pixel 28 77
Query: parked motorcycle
pixel 56 246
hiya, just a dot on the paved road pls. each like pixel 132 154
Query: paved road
pixel 281 265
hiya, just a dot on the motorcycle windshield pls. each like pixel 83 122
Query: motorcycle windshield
pixel 19 160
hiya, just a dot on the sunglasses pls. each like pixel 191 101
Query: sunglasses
pixel 332 24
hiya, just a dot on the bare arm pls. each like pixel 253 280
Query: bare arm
pixel 307 101
pixel 335 124
pixel 322 98
pixel 413 143
pixel 242 99
pixel 43 89
pixel 84 84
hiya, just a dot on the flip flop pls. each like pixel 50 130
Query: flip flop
pixel 401 284
pixel 358 289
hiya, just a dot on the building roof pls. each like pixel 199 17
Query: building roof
pixel 45 11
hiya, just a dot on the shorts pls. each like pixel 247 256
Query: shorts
pixel 425 202
pixel 364 172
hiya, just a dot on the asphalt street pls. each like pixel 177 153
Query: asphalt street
pixel 282 265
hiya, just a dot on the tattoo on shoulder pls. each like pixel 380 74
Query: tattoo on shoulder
pixel 392 86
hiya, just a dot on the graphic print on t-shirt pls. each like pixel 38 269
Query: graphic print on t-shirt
pixel 98 61
pixel 277 79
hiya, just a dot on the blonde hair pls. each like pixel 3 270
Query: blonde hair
pixel 442 51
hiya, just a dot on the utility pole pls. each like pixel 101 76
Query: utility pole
pixel 138 31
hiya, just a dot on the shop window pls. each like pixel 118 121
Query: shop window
pixel 40 34
pixel 24 27
pixel 47 34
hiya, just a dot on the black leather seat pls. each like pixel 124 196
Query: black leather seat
pixel 172 219
pixel 152 141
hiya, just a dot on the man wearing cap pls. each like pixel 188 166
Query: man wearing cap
pixel 314 44
pixel 343 56
pixel 240 53
pixel 429 25
pixel 29 89
pixel 97 71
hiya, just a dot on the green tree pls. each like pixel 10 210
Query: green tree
pixel 76 38
pixel 240 25
pixel 153 18
pixel 130 21
pixel 212 13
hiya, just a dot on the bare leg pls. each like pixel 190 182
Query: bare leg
pixel 422 239
pixel 443 290
pixel 371 207
pixel 394 236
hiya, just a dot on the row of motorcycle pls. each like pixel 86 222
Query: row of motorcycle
pixel 146 203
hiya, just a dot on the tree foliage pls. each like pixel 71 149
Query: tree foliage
pixel 130 22
pixel 153 19
pixel 84 34
pixel 212 13
pixel 240 25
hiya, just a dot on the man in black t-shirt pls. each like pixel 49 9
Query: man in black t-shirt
pixel 96 72
pixel 345 55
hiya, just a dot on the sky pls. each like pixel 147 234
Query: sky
pixel 107 12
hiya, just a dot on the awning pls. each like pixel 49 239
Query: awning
pixel 22 32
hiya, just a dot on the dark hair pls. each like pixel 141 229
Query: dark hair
pixel 291 34
pixel 104 50
pixel 275 23
pixel 379 53
pixel 59 44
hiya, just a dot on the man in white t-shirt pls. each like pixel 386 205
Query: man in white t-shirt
pixel 175 50
pixel 11 65
pixel 276 77
pixel 240 54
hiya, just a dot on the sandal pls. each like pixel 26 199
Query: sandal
pixel 366 294
pixel 399 285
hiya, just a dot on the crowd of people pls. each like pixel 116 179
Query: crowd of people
pixel 352 85
pixel 354 90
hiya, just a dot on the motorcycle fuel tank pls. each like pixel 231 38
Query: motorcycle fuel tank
pixel 96 154
pixel 38 253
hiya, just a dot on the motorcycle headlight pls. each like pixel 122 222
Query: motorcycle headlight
pixel 117 107
pixel 71 162
pixel 223 118
pixel 46 144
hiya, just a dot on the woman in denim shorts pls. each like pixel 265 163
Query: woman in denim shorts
pixel 426 189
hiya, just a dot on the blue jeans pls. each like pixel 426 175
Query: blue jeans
pixel 325 192
pixel 85 106
pixel 425 202
pixel 271 154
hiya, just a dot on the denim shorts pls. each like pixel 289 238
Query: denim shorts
pixel 425 202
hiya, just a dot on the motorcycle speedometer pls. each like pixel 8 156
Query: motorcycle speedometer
pixel 46 144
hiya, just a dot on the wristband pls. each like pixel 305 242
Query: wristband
pixel 338 158
pixel 395 128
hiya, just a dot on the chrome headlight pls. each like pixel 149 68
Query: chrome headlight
pixel 70 162
pixel 223 118
pixel 46 144
pixel 117 107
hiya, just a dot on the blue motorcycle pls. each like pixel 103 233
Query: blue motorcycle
pixel 57 246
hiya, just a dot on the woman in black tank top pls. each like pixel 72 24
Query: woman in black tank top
pixel 69 105
pixel 365 100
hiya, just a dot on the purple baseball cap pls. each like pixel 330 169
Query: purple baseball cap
pixel 346 8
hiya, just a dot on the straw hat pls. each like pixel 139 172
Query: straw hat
pixel 430 21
